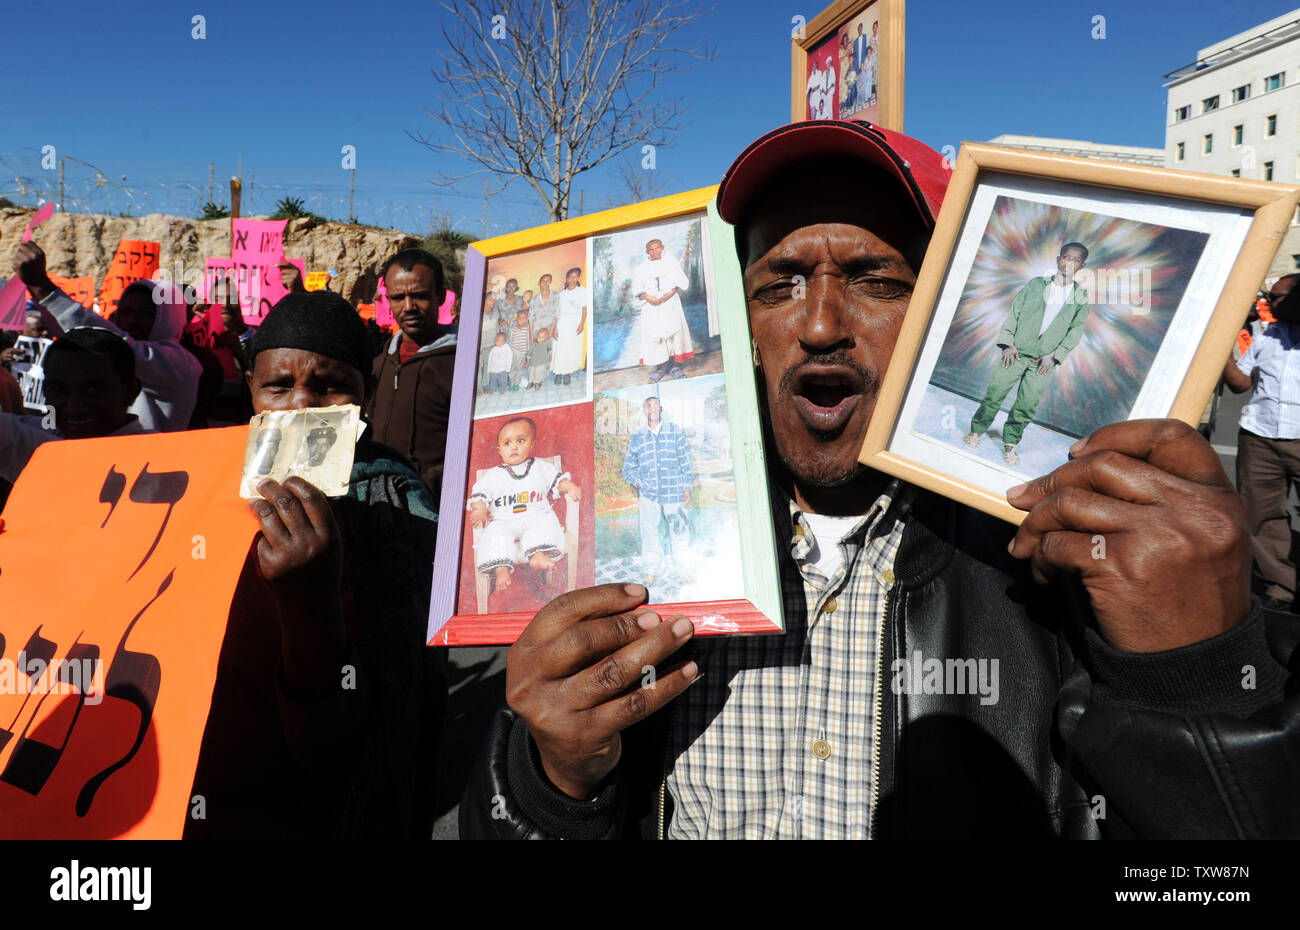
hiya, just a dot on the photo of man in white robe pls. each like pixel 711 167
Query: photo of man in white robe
pixel 665 337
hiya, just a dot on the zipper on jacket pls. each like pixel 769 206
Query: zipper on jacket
pixel 662 832
pixel 876 715
pixel 663 787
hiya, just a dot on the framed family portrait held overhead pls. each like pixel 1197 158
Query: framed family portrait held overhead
pixel 847 63
pixel 605 427
pixel 1059 295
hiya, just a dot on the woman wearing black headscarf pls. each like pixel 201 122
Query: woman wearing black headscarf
pixel 328 705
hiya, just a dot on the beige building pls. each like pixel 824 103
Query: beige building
pixel 1235 111
pixel 1133 154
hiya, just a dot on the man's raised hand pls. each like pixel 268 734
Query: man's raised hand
pixel 577 677
pixel 1146 516
pixel 29 265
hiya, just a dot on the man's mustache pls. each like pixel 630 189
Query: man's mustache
pixel 870 378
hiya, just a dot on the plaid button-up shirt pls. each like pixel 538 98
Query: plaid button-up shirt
pixel 777 739
pixel 659 463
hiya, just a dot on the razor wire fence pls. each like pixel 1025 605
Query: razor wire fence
pixel 407 201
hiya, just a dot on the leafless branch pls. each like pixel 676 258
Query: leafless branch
pixel 543 90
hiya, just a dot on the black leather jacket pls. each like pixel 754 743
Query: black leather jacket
pixel 1084 741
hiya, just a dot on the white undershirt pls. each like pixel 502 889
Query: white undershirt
pixel 1056 296
pixel 825 555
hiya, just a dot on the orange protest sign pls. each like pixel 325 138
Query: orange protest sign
pixel 81 288
pixel 316 280
pixel 118 562
pixel 132 261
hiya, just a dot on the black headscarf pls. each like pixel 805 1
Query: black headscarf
pixel 316 321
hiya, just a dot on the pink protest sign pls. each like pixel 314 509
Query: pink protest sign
pixel 257 249
pixel 383 310
pixel 215 269
pixel 448 305
pixel 13 298
pixel 39 217
pixel 13 303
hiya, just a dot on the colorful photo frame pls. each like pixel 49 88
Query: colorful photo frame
pixel 645 464
pixel 847 63
pixel 1058 295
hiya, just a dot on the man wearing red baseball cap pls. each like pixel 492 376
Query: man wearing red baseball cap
pixel 942 672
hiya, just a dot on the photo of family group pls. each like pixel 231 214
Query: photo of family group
pixel 535 334
pixel 844 70
pixel 1063 323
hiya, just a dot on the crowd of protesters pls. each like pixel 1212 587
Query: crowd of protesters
pixel 1116 671
pixel 287 750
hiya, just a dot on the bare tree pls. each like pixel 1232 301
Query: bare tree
pixel 543 90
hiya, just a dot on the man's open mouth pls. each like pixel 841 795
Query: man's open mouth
pixel 826 397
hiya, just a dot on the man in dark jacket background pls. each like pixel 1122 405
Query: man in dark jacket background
pixel 1141 694
pixel 412 399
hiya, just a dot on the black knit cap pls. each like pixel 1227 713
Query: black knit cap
pixel 316 321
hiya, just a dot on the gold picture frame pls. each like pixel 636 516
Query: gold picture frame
pixel 810 38
pixel 1201 245
pixel 459 612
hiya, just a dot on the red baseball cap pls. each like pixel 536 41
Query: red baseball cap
pixel 922 172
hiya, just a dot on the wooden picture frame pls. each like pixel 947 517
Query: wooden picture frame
pixel 619 397
pixel 889 70
pixel 1176 259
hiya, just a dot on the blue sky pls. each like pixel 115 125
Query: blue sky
pixel 282 86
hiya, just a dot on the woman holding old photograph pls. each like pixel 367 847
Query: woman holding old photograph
pixel 327 708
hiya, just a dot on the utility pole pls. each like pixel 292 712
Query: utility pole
pixel 234 198
pixel 582 200
pixel 352 184
pixel 61 210
pixel 212 171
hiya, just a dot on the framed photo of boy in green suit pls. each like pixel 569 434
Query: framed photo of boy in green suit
pixel 1059 295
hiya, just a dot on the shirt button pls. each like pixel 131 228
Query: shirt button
pixel 888 575
pixel 830 605
pixel 821 749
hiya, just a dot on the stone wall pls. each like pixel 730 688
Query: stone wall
pixel 83 243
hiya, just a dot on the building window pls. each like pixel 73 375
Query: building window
pixel 1237 132
pixel 1240 93
pixel 1207 145
pixel 1180 151
pixel 1270 125
pixel 1210 103
pixel 1274 81
pixel 1268 171
pixel 1296 259
pixel 1183 113
pixel 1236 172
